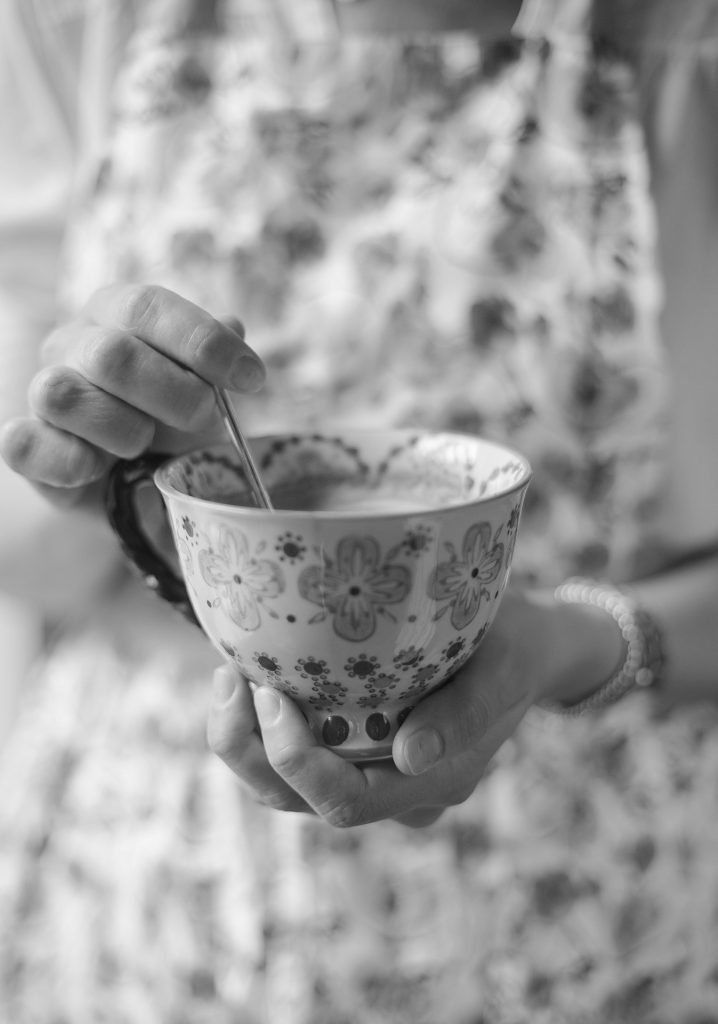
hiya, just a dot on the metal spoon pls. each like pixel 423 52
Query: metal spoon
pixel 259 491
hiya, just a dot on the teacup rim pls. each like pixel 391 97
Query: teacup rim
pixel 170 491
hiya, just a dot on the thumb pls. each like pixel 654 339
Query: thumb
pixel 455 719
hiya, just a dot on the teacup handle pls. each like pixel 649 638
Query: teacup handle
pixel 125 477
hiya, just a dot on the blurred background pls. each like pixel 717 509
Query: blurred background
pixel 417 275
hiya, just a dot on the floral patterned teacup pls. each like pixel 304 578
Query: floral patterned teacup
pixel 369 585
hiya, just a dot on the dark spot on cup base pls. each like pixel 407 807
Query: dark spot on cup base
pixel 335 731
pixel 403 715
pixel 377 727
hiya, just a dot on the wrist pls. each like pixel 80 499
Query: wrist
pixel 643 659
pixel 584 647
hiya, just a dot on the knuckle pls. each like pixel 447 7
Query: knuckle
pixel 221 741
pixel 481 712
pixel 79 467
pixel 54 392
pixel 136 436
pixel 111 357
pixel 138 306
pixel 195 409
pixel 234 324
pixel 209 347
pixel 343 814
pixel 58 460
pixel 55 344
pixel 279 800
pixel 288 762
pixel 18 443
pixel 462 781
pixel 474 721
pixel 462 790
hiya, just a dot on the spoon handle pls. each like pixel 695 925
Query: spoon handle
pixel 259 491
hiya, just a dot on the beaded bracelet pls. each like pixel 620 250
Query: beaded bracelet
pixel 645 659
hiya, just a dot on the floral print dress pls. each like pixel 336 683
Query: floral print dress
pixel 444 232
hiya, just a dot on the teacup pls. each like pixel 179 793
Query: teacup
pixel 373 580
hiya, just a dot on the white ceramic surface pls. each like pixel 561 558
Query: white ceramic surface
pixel 356 614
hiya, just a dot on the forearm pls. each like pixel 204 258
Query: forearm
pixel 585 643
pixel 684 602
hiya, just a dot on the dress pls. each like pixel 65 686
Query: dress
pixel 418 231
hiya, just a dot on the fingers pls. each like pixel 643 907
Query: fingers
pixel 234 324
pixel 494 688
pixel 45 455
pixel 287 769
pixel 66 400
pixel 422 817
pixel 346 795
pixel 328 784
pixel 130 372
pixel 232 735
pixel 122 365
pixel 440 753
pixel 181 331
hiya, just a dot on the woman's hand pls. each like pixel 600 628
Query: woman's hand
pixel 442 750
pixel 133 372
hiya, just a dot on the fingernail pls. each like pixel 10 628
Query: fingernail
pixel 247 374
pixel 268 705
pixel 422 750
pixel 223 686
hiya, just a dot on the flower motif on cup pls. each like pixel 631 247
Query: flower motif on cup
pixel 420 682
pixel 378 687
pixel 327 694
pixel 189 526
pixel 415 543
pixel 354 587
pixel 371 700
pixel 513 523
pixel 424 675
pixel 383 681
pixel 228 648
pixel 479 637
pixel 312 668
pixel 290 548
pixel 461 582
pixel 408 658
pixel 362 667
pixel 231 651
pixel 271 673
pixel 512 528
pixel 415 691
pixel 185 556
pixel 452 650
pixel 269 665
pixel 244 582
